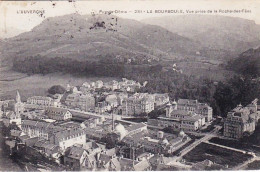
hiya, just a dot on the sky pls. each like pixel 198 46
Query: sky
pixel 11 17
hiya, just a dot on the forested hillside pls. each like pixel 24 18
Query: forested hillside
pixel 248 63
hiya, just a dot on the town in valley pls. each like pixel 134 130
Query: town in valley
pixel 165 87
pixel 109 126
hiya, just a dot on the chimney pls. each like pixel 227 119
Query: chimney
pixel 113 121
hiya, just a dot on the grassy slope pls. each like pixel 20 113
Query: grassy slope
pixel 38 84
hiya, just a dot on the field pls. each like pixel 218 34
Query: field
pixel 255 165
pixel 205 70
pixel 11 81
pixel 242 144
pixel 216 154
pixel 200 67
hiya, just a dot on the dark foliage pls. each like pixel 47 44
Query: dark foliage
pixel 156 113
pixel 171 130
pixel 56 89
pixel 237 90
pixel 248 63
pixel 111 140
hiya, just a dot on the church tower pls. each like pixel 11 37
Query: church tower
pixel 18 97
pixel 19 106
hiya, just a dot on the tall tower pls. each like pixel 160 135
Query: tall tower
pixel 19 106
pixel 169 109
pixel 18 97
pixel 113 121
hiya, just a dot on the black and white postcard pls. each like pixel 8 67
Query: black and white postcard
pixel 131 85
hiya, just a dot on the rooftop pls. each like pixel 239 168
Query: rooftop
pixel 68 133
pixel 187 101
pixel 135 127
pixel 74 152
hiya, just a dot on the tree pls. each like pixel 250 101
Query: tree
pixel 56 89
pixel 111 140
pixel 156 113
pixel 235 91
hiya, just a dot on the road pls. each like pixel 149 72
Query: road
pixel 226 147
pixel 196 143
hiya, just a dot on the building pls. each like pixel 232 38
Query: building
pixel 137 136
pixel 68 137
pixel 187 105
pixel 13 115
pixel 84 102
pixel 88 87
pixel 161 99
pixel 121 97
pixel 84 89
pixel 102 107
pixel 179 120
pixel 34 114
pixel 160 143
pixel 58 114
pixel 18 106
pixel 10 117
pixel 114 163
pixel 92 122
pixel 136 128
pixel 99 84
pixel 83 157
pixel 129 85
pixel 49 150
pixel 241 121
pixel 108 102
pixel 40 100
pixel 75 158
pixel 7 105
pixel 137 104
pixel 205 110
pixel 112 100
pixel 135 153
pixel 194 106
pixel 112 85
pixel 130 130
pixel 189 121
pixel 39 129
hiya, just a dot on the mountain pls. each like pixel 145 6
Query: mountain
pixel 217 33
pixel 84 36
pixel 247 63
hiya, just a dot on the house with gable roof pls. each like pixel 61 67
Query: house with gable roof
pixel 58 114
pixel 10 117
pixel 75 157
